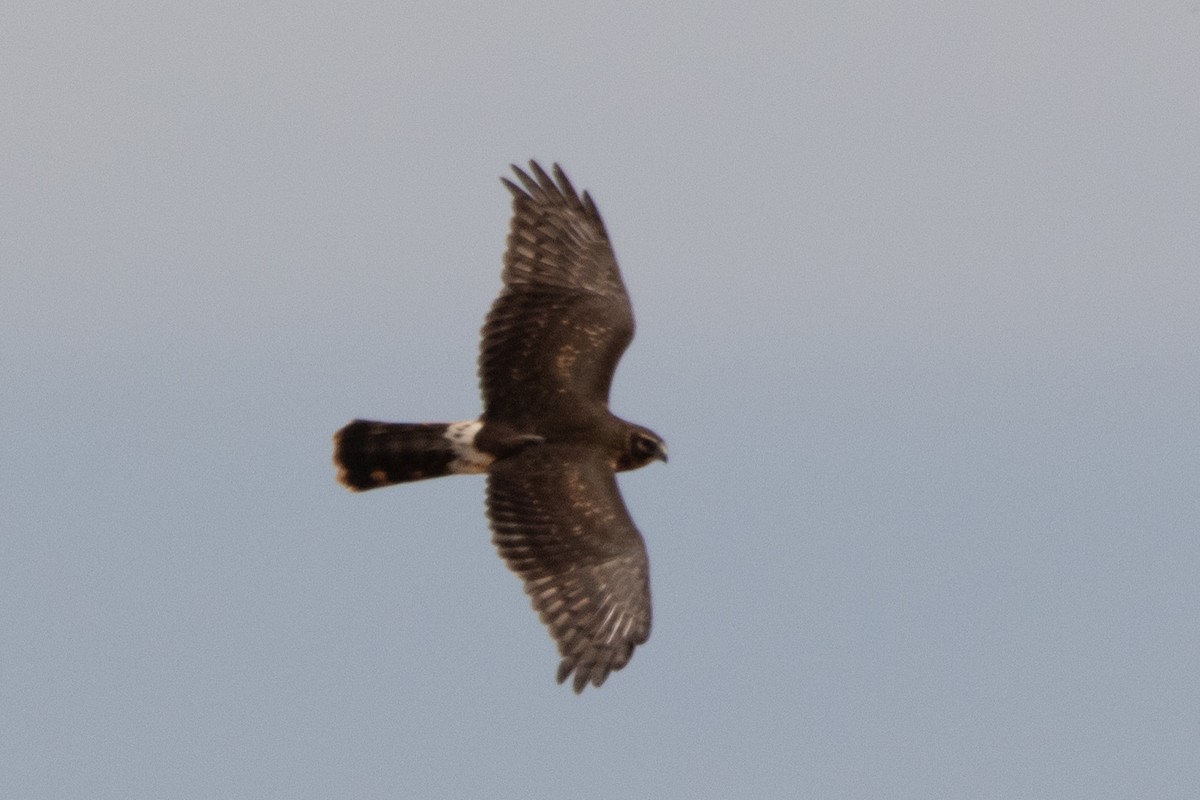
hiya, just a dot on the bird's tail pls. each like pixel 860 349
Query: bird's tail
pixel 369 455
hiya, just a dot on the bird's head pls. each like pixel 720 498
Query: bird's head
pixel 642 446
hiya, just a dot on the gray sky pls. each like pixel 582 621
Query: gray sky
pixel 917 290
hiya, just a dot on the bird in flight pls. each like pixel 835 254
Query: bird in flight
pixel 546 439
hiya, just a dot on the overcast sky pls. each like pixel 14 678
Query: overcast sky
pixel 918 300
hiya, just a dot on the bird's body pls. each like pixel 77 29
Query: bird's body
pixel 546 438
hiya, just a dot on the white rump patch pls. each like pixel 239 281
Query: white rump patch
pixel 467 459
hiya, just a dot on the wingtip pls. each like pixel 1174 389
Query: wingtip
pixel 515 190
pixel 565 187
pixel 538 182
pixel 530 183
pixel 537 170
pixel 584 674
pixel 565 668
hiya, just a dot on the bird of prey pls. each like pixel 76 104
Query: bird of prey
pixel 546 438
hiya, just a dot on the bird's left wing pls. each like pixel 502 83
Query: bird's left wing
pixel 559 522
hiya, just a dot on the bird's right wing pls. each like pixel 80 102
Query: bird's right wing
pixel 553 337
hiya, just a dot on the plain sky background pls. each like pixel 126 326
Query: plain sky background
pixel 918 294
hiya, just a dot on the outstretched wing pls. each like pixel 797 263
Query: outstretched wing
pixel 559 522
pixel 553 337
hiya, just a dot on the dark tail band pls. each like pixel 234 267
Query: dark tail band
pixel 369 455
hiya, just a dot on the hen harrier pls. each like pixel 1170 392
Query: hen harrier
pixel 546 439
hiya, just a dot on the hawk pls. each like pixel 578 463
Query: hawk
pixel 546 439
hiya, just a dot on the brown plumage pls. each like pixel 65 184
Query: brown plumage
pixel 546 438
